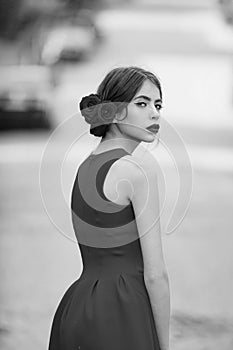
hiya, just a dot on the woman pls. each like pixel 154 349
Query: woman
pixel 121 300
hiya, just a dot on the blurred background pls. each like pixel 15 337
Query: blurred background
pixel 53 52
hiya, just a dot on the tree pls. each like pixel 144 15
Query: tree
pixel 10 11
pixel 83 4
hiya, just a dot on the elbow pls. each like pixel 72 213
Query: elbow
pixel 156 277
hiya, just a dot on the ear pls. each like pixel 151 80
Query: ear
pixel 119 116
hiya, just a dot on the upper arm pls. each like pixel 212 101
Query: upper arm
pixel 145 201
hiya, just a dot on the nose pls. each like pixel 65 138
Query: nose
pixel 155 113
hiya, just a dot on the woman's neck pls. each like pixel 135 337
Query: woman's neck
pixel 110 143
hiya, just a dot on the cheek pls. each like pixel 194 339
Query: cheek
pixel 135 115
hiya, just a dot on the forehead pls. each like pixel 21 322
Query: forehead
pixel 149 89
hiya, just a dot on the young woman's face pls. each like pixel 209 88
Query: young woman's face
pixel 143 111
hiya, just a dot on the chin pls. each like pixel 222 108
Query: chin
pixel 149 138
pixel 140 135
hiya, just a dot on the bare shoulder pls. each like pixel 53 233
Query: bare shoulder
pixel 128 177
pixel 134 168
pixel 123 177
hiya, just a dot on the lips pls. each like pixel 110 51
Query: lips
pixel 153 127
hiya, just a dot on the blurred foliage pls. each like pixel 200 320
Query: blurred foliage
pixel 83 4
pixel 17 17
pixel 92 4
pixel 10 12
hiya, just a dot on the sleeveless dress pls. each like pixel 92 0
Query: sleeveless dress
pixel 108 307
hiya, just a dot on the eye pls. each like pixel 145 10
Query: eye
pixel 141 103
pixel 158 106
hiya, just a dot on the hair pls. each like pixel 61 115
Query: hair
pixel 121 85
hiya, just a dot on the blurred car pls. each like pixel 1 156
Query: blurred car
pixel 227 9
pixel 67 44
pixel 73 39
pixel 25 97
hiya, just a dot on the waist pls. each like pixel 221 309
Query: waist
pixel 102 267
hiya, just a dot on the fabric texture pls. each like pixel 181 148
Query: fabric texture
pixel 107 307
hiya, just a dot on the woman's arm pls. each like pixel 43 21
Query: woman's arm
pixel 145 200
pixel 159 293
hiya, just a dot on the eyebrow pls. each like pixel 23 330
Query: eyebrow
pixel 147 98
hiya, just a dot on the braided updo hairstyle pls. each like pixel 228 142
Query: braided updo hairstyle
pixel 117 89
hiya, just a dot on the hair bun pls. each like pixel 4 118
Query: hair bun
pixel 87 107
pixel 106 112
pixel 97 112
